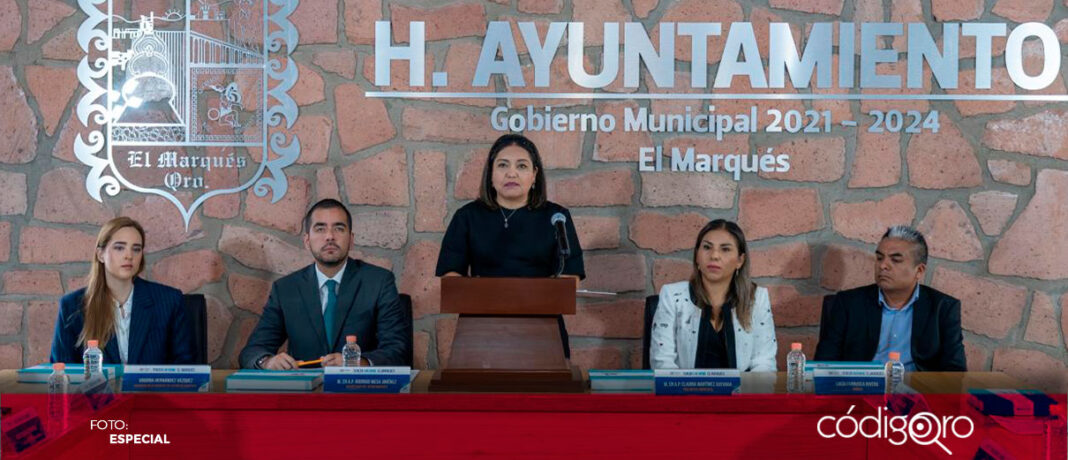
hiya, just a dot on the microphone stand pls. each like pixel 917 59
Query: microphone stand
pixel 562 253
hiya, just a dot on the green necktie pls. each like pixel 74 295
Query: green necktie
pixel 331 309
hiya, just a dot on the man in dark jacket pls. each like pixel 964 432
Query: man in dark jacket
pixel 315 307
pixel 896 314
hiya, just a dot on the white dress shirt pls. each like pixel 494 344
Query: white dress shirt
pixel 322 279
pixel 123 312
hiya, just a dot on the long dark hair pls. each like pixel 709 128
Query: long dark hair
pixel 536 197
pixel 99 306
pixel 742 291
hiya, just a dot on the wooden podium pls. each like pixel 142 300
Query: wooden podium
pixel 508 337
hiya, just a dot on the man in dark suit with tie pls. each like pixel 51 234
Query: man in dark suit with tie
pixel 316 307
pixel 897 313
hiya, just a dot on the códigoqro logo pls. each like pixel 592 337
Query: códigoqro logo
pixel 923 428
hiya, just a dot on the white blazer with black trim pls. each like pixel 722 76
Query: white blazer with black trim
pixel 673 341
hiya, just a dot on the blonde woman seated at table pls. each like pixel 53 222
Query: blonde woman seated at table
pixel 718 319
pixel 134 320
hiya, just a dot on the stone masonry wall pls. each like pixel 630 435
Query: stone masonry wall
pixel 990 190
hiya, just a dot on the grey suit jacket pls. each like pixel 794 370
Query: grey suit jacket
pixel 368 306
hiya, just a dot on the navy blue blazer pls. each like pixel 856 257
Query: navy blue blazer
pixel 160 332
pixel 368 306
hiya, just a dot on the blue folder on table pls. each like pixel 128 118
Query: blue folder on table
pixel 264 380
pixel 75 372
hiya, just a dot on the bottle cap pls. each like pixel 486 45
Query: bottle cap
pixel 350 339
pixel 795 346
pixel 58 366
pixel 895 356
pixel 93 343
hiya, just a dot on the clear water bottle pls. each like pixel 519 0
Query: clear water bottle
pixel 895 372
pixel 93 359
pixel 351 353
pixel 58 399
pixel 795 369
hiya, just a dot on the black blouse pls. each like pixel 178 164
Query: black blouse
pixel 715 350
pixel 478 244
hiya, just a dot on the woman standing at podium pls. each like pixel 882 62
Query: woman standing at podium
pixel 507 231
pixel 719 318
pixel 135 321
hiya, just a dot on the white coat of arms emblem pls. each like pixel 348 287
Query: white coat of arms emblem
pixel 188 102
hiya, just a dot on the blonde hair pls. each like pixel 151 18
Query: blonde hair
pixel 742 291
pixel 97 304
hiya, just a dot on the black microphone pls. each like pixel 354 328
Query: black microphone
pixel 558 220
pixel 563 248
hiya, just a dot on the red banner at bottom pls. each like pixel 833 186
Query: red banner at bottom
pixel 262 426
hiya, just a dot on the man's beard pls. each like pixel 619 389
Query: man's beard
pixel 329 261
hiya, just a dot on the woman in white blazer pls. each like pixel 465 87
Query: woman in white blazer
pixel 719 318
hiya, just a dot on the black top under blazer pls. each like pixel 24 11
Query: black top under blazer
pixel 856 318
